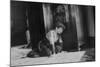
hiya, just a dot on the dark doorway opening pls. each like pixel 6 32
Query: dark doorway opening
pixel 36 23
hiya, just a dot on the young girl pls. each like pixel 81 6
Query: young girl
pixel 53 42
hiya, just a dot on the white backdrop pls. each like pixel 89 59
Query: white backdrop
pixel 5 32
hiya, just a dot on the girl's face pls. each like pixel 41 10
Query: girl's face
pixel 59 30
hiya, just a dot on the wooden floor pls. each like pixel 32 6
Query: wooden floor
pixel 64 57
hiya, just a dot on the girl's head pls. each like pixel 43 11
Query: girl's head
pixel 60 28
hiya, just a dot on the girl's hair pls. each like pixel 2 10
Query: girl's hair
pixel 58 25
